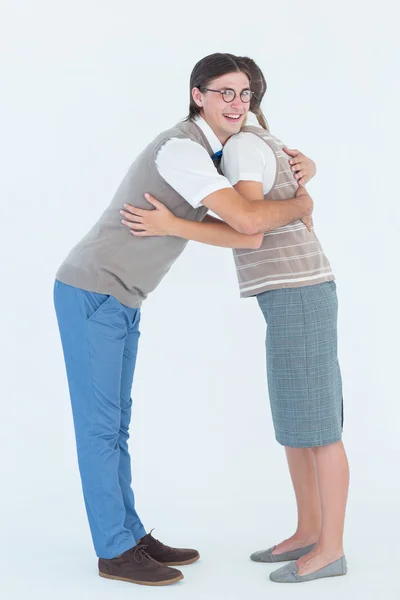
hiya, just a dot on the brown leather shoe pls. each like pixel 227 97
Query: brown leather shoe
pixel 167 555
pixel 136 566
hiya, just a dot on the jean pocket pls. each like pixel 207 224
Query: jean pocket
pixel 136 318
pixel 95 303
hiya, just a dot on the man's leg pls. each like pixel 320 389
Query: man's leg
pixel 93 333
pixel 132 521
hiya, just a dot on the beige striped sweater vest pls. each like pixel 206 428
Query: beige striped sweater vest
pixel 290 256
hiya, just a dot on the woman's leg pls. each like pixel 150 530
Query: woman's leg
pixel 280 308
pixel 302 348
pixel 333 484
pixel 303 474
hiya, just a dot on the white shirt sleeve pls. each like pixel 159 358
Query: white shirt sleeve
pixel 246 157
pixel 187 167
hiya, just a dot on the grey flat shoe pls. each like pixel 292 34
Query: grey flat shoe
pixel 266 556
pixel 288 573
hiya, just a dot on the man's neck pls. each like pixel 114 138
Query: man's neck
pixel 222 139
pixel 212 137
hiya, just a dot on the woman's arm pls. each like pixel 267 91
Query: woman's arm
pixel 251 190
pixel 210 231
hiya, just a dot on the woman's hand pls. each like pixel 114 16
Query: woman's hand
pixel 144 223
pixel 303 167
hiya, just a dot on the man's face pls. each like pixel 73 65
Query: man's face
pixel 224 118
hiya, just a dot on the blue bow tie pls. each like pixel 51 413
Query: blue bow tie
pixel 217 155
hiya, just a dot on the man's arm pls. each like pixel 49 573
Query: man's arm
pixel 161 221
pixel 252 190
pixel 257 216
pixel 246 160
pixel 210 231
pixel 214 232
pixel 302 166
pixel 186 166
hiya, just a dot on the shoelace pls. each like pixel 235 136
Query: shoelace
pixel 159 544
pixel 140 555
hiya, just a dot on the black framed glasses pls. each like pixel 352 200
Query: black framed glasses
pixel 228 95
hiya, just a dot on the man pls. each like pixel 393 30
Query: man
pixel 99 290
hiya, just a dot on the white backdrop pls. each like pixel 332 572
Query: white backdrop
pixel 85 84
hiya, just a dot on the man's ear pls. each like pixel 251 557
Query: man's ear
pixel 197 97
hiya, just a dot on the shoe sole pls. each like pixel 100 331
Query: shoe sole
pixel 308 580
pixel 153 583
pixel 184 562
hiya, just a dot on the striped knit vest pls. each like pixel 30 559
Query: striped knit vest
pixel 290 256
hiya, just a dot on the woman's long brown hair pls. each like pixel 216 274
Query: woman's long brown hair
pixel 258 86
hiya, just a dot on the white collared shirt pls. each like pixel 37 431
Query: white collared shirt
pixel 187 167
pixel 246 157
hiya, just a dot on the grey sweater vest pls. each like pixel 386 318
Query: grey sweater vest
pixel 109 259
pixel 290 256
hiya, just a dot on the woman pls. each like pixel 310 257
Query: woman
pixel 294 286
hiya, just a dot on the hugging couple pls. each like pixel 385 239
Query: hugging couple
pixel 222 158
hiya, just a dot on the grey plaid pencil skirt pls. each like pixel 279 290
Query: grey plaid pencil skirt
pixel 304 381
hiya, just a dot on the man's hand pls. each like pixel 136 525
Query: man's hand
pixel 144 223
pixel 303 167
pixel 307 220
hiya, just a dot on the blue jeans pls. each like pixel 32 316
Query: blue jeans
pixel 100 339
